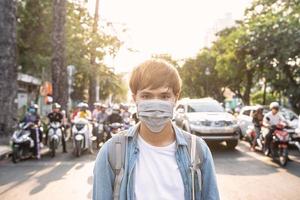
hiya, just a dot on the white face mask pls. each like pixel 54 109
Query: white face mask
pixel 155 113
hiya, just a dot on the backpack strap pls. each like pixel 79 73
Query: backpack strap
pixel 196 156
pixel 117 159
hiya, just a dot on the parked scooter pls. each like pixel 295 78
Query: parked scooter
pixel 82 140
pixel 22 144
pixel 278 146
pixel 54 136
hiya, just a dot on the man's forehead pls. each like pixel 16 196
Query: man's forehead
pixel 157 90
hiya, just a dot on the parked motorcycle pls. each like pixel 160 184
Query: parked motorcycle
pixel 54 136
pixel 21 142
pixel 81 136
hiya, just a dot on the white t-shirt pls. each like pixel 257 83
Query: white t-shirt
pixel 157 175
pixel 273 119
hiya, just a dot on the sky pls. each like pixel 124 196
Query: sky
pixel 176 27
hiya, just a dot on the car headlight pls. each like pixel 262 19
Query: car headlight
pixel 196 123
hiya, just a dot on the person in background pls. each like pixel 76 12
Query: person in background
pixel 83 111
pixel 270 120
pixel 125 114
pixel 97 109
pixel 33 117
pixel 115 116
pixel 57 116
pixel 257 119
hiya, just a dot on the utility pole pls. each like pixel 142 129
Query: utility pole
pixel 93 77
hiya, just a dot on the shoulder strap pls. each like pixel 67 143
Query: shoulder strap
pixel 116 158
pixel 196 156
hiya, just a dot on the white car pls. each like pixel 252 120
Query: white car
pixel 207 118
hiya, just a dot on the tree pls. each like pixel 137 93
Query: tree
pixel 93 80
pixel 200 73
pixel 59 70
pixel 34 27
pixel 8 67
pixel 273 29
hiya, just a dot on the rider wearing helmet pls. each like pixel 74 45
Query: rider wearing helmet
pixel 115 116
pixel 97 109
pixel 270 120
pixel 102 115
pixel 83 111
pixel 32 116
pixel 57 116
pixel 257 119
pixel 126 113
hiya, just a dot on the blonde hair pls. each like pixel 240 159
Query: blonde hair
pixel 153 74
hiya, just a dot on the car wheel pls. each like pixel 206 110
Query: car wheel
pixel 231 144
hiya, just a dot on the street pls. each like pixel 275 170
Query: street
pixel 241 175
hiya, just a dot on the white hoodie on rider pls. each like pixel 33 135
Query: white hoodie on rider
pixel 271 119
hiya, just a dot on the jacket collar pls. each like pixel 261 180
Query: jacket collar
pixel 133 131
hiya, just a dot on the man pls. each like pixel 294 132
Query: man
pixel 271 119
pixel 257 119
pixel 96 110
pixel 157 163
pixel 115 116
pixel 36 133
pixel 83 111
pixel 126 114
pixel 102 115
pixel 57 116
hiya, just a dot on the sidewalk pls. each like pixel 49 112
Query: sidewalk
pixel 5 150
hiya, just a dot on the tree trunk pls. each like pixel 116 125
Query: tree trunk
pixel 246 95
pixel 93 72
pixel 265 93
pixel 58 68
pixel 8 66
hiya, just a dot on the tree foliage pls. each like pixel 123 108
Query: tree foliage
pixel 263 47
pixel 34 44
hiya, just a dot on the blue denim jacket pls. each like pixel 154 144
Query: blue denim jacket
pixel 104 175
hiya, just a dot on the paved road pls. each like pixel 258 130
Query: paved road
pixel 241 175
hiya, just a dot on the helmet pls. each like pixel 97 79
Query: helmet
pixel 274 105
pixel 125 107
pixel 97 104
pixel 56 106
pixel 116 107
pixel 33 108
pixel 82 105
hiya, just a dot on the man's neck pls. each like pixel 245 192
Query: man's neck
pixel 164 138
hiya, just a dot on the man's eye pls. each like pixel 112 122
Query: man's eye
pixel 165 96
pixel 145 96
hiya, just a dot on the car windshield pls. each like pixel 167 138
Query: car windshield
pixel 205 107
pixel 288 114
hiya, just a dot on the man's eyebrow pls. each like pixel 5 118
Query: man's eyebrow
pixel 145 92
